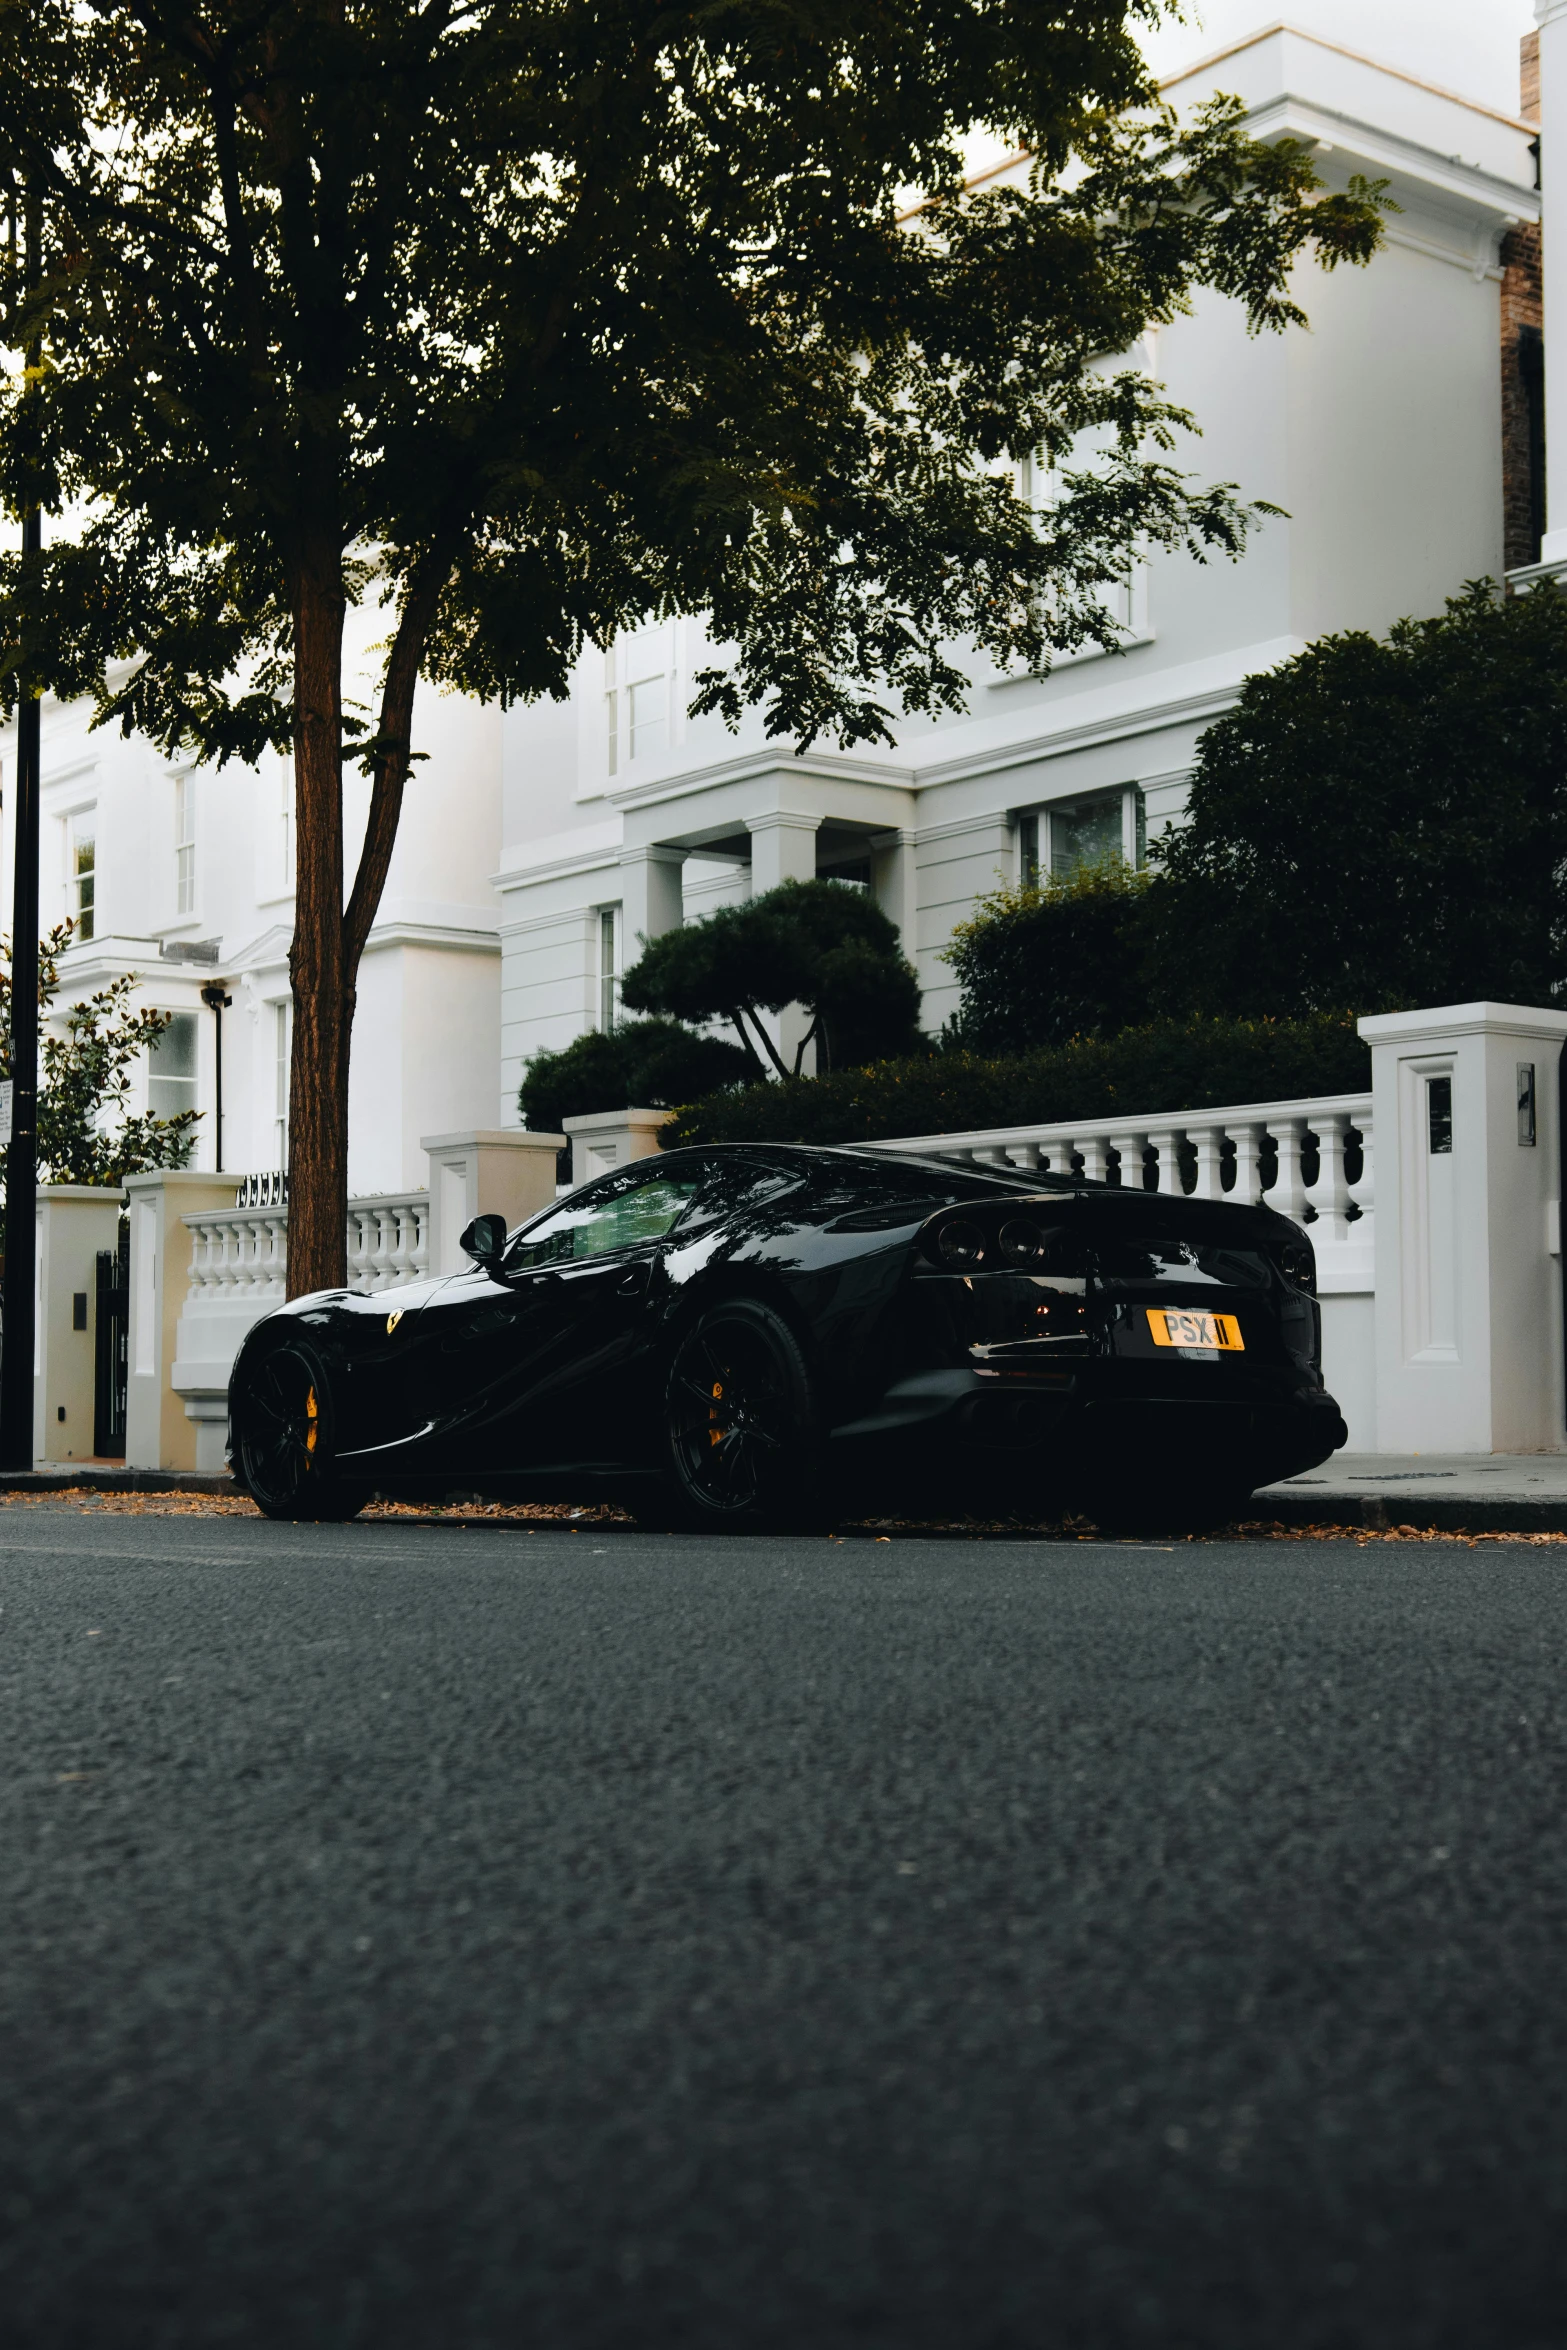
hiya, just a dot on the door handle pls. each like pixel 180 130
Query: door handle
pixel 634 1283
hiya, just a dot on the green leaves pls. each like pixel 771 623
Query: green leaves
pixel 86 1132
pixel 815 943
pixel 590 315
pixel 1041 966
pixel 1380 823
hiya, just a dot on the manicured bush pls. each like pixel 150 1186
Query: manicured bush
pixel 1168 1065
pixel 643 1064
pixel 1041 965
pixel 814 943
pixel 1378 823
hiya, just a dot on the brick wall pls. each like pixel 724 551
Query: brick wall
pixel 1523 360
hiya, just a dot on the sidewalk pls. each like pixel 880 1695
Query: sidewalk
pixel 1513 1492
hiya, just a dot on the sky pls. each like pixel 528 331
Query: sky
pixel 1470 46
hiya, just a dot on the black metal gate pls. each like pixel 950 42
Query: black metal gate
pixel 111 1347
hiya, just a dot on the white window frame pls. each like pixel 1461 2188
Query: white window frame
pixel 607 968
pixel 77 825
pixel 282 1065
pixel 184 845
pixel 636 663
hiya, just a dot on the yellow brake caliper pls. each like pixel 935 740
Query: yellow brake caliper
pixel 715 1434
pixel 313 1415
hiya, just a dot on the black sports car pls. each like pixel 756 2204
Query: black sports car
pixel 751 1336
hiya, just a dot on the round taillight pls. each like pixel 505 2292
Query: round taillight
pixel 961 1243
pixel 1022 1243
pixel 1295 1262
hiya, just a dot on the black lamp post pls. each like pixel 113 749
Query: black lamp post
pixel 21 1173
pixel 217 1002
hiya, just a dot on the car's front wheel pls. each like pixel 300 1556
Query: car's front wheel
pixel 741 1433
pixel 281 1411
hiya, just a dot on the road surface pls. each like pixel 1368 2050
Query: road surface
pixel 426 1936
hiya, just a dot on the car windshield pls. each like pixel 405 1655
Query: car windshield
pixel 618 1212
pixel 1124 1264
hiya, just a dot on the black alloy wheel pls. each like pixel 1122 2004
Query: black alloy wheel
pixel 741 1436
pixel 283 1439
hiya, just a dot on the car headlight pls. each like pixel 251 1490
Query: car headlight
pixel 1022 1242
pixel 961 1243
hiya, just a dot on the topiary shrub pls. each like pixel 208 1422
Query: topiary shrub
pixel 645 1064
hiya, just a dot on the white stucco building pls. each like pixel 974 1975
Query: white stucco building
pixel 153 858
pixel 538 844
pixel 1379 431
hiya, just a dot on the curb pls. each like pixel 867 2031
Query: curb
pixel 1449 1515
pixel 100 1480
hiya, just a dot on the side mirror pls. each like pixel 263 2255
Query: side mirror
pixel 485 1241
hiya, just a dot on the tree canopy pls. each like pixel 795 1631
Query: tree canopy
pixel 528 321
pixel 820 944
pixel 1377 824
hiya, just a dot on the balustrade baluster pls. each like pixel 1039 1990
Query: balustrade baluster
pixel 1208 1143
pixel 1092 1151
pixel 1248 1164
pixel 1288 1194
pixel 1165 1141
pixel 1329 1195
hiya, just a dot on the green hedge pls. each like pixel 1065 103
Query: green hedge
pixel 1170 1065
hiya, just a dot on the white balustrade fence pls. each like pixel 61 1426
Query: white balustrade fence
pixel 1258 1151
pixel 242 1253
pixel 1295 1156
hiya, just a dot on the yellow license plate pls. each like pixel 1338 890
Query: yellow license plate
pixel 1173 1326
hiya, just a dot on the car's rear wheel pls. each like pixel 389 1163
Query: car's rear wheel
pixel 742 1449
pixel 282 1415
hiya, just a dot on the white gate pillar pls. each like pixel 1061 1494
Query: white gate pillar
pixel 507 1172
pixel 1468 1295
pixel 75 1221
pixel 158 1432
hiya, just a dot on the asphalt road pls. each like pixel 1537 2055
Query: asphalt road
pixel 468 1938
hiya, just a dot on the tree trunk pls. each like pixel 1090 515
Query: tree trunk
pixel 323 989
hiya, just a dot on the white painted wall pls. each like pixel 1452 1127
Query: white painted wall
pixel 426 1038
pixel 1377 428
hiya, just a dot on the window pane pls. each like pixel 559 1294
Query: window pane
pixel 648 708
pixel 171 1082
pixel 618 1212
pixel 607 1005
pixel 84 871
pixel 1085 834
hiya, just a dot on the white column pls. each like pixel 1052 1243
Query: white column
pixel 74 1222
pixel 783 848
pixel 1468 1297
pixel 895 884
pixel 158 1432
pixel 650 895
pixel 507 1173
pixel 1551 16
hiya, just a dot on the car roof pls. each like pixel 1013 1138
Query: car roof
pixel 869 1155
